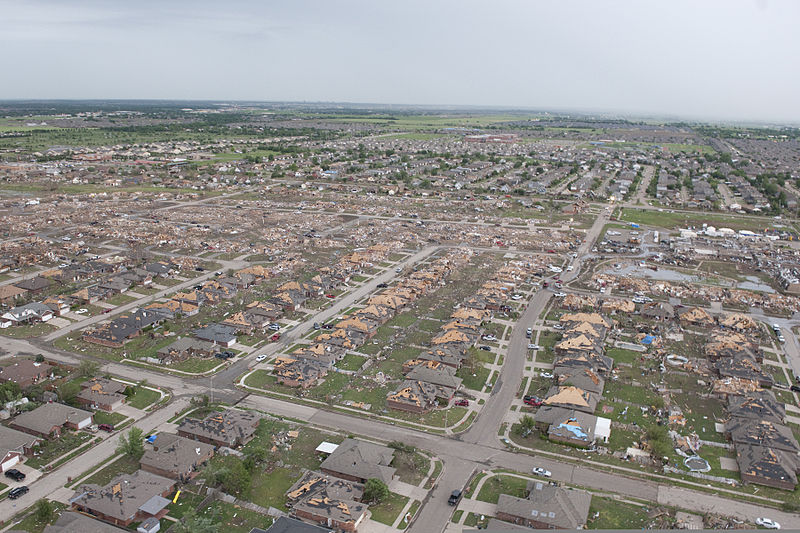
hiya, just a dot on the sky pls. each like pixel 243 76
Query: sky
pixel 702 59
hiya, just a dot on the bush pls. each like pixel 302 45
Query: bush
pixel 375 491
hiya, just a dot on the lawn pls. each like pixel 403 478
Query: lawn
pixel 32 525
pixel 26 332
pixel 121 299
pixel 123 465
pixel 497 485
pixel 474 379
pixel 620 355
pixel 101 417
pixel 196 365
pixel 261 379
pixel 52 449
pixel 667 219
pixel 388 510
pixel 350 362
pixel 615 515
pixel 412 467
pixel 142 398
pixel 268 489
pixel 235 519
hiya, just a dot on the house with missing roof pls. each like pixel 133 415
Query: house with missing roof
pixel 358 460
pixel 546 507
pixel 328 501
pixel 126 499
pixel 101 393
pixel 229 428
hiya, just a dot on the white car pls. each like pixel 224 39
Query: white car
pixel 555 269
pixel 768 523
pixel 546 374
pixel 534 347
pixel 81 311
pixel 517 297
pixel 570 268
pixel 560 294
pixel 558 326
pixel 539 471
pixel 261 357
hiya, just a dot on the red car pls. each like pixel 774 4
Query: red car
pixel 275 337
pixel 106 311
pixel 532 400
pixel 330 296
pixel 462 403
pixel 106 427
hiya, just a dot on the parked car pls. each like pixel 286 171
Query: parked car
pixel 81 311
pixel 534 347
pixel 15 474
pixel 455 497
pixel 382 285
pixel 223 355
pixel 532 400
pixel 517 297
pixel 560 295
pixel 461 402
pixel 316 325
pixel 261 357
pixel 558 326
pixel 795 388
pixel 488 337
pixel 767 523
pixel 485 348
pixel 545 284
pixel 539 471
pixel 106 427
pixel 15 493
pixel 106 311
pixel 331 296
pixel 274 326
pixel 546 374
pixel 275 337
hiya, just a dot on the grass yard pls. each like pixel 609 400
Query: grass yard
pixel 500 484
pixel 474 379
pixel 615 515
pixel 620 355
pixel 261 379
pixel 32 525
pixel 101 417
pixel 52 449
pixel 123 465
pixel 235 519
pixel 268 489
pixel 669 220
pixel 143 398
pixel 350 362
pixel 29 331
pixel 412 467
pixel 388 510
pixel 196 365
pixel 121 299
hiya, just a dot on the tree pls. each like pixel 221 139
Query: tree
pixel 133 445
pixel 44 511
pixel 88 369
pixel 527 423
pixel 375 491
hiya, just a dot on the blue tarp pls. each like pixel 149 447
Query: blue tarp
pixel 648 339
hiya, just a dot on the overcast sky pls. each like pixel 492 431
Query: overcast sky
pixel 728 59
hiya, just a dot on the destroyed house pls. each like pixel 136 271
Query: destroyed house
pixel 767 466
pixel 760 405
pixel 229 428
pixel 413 396
pixel 761 433
pixel 571 398
pixel 297 372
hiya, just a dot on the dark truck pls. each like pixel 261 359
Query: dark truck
pixel 455 497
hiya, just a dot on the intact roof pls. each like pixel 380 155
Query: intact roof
pixel 173 453
pixel 362 460
pixel 23 370
pixel 216 333
pixel 70 522
pixel 47 416
pixel 556 506
pixel 13 440
pixel 290 525
pixel 436 373
pixel 125 495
